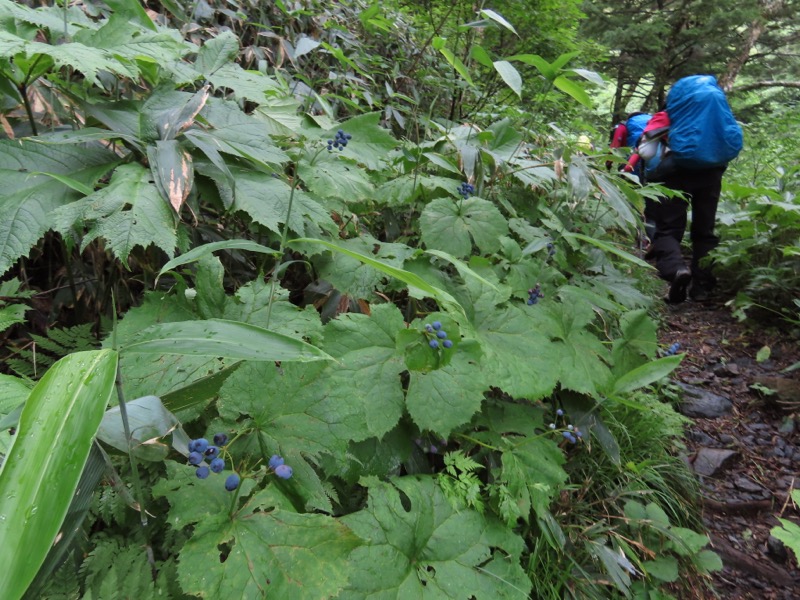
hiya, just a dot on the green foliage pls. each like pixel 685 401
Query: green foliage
pixel 789 532
pixel 758 257
pixel 286 294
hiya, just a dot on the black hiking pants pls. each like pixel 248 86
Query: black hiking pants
pixel 702 190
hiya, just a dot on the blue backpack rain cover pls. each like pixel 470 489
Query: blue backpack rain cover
pixel 704 132
pixel 635 126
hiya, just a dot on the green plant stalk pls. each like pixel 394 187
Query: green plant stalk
pixel 282 248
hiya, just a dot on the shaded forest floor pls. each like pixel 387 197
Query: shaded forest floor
pixel 746 460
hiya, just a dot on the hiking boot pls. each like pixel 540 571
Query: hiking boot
pixel 679 285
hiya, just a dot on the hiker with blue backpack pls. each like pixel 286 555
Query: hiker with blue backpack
pixel 688 149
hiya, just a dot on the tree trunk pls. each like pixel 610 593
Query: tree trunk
pixel 769 10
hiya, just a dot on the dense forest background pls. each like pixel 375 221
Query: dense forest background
pixel 340 299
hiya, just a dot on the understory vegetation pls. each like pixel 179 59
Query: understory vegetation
pixel 371 254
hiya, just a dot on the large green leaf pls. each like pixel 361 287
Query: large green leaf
pixel 452 226
pixel 368 366
pixel 129 212
pixel 42 469
pixel 269 549
pixel 27 201
pixel 370 142
pixel 217 52
pixel 416 545
pixel 227 339
pixel 266 200
pixel 445 398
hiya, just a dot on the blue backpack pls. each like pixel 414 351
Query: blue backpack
pixel 704 132
pixel 635 126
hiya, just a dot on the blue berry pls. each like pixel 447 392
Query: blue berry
pixel 201 472
pixel 560 412
pixel 429 328
pixel 436 325
pixel 212 452
pixel 195 458
pixel 232 482
pixel 571 438
pixel 433 344
pixel 447 344
pixel 275 461
pixel 441 334
pixel 220 439
pixel 578 433
pixel 217 465
pixel 200 445
pixel 283 471
pixel 566 434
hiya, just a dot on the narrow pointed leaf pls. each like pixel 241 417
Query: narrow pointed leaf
pixel 510 75
pixel 609 248
pixel 570 88
pixel 646 374
pixel 41 472
pixel 199 252
pixel 220 338
pixel 497 18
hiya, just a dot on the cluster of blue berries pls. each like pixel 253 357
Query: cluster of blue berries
pixel 466 189
pixel 200 450
pixel 534 294
pixel 435 329
pixel 279 468
pixel 572 433
pixel 551 249
pixel 673 349
pixel 339 141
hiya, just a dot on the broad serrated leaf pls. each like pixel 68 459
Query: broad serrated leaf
pixel 533 471
pixel 12 315
pixel 266 200
pixel 638 342
pixel 330 177
pixel 417 546
pixel 517 354
pixel 129 212
pixel 86 59
pixel 581 356
pixel 252 85
pixel 356 278
pixel 217 52
pixel 368 366
pixel 452 226
pixel 234 132
pixel 370 142
pixel 443 399
pixel 294 407
pixel 27 201
pixel 268 548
